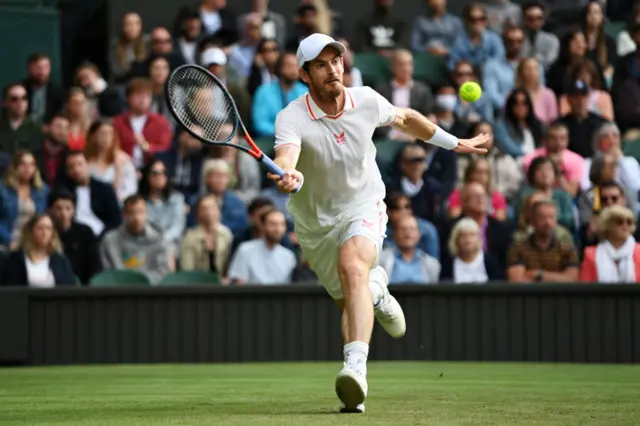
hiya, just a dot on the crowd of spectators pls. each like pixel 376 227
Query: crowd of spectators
pixel 98 176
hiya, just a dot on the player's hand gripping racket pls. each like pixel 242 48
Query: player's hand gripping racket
pixel 203 106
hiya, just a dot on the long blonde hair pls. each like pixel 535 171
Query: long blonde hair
pixel 25 242
pixel 139 45
pixel 11 174
pixel 519 80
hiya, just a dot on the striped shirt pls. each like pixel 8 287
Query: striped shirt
pixel 559 256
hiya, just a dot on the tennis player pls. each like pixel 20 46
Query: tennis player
pixel 325 139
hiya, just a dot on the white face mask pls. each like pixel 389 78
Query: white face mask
pixel 446 102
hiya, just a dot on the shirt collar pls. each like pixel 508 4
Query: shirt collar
pixel 316 113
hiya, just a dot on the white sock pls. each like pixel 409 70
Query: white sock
pixel 377 284
pixel 355 355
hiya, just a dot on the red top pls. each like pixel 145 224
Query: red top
pixel 157 132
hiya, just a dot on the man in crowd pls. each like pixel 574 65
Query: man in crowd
pixel 103 99
pixel 541 257
pixel 398 207
pixel 382 30
pixel 501 14
pixel 184 164
pixel 242 53
pixel 264 260
pixel 52 153
pixel 219 20
pixel 273 25
pixel 17 130
pixel 161 45
pixel 543 45
pixel 79 243
pixel 477 44
pixel 190 28
pixel 306 21
pixel 136 244
pixel 45 97
pixel 436 32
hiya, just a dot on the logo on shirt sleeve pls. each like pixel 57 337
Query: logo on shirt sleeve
pixel 340 139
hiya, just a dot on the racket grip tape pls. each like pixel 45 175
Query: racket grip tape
pixel 274 168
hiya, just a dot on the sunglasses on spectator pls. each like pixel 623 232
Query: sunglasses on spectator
pixel 406 206
pixel 464 73
pixel 621 221
pixel 415 159
pixel 474 19
pixel 515 40
pixel 17 98
pixel 613 199
pixel 269 49
pixel 161 40
pixel 534 17
pixel 158 172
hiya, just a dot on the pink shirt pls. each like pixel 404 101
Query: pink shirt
pixel 545 106
pixel 498 202
pixel 572 163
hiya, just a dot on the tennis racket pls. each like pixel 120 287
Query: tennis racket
pixel 202 105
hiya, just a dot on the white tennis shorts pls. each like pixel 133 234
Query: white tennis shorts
pixel 322 250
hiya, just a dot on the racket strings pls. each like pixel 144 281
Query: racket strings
pixel 201 105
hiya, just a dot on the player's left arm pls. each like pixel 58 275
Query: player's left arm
pixel 413 123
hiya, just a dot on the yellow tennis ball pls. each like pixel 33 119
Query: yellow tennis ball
pixel 470 91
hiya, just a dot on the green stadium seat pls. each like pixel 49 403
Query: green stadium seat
pixel 119 278
pixel 265 144
pixel 190 278
pixel 430 69
pixel 614 28
pixel 632 149
pixel 375 68
pixel 77 281
pixel 387 150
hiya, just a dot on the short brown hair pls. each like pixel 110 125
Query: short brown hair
pixel 131 200
pixel 35 57
pixel 139 84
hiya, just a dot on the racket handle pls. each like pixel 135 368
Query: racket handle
pixel 274 168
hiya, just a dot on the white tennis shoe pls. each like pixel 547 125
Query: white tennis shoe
pixel 351 388
pixel 388 311
pixel 358 409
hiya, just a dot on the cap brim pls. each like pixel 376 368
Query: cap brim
pixel 335 44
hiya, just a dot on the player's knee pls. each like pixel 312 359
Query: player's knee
pixel 353 273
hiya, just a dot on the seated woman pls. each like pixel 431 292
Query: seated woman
pixel 520 132
pixel 479 170
pixel 107 162
pixel 468 263
pixel 599 100
pixel 22 194
pixel 524 230
pixel 38 260
pixel 207 247
pixel 616 259
pixel 78 113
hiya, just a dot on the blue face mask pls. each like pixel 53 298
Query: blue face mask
pixel 608 80
pixel 446 102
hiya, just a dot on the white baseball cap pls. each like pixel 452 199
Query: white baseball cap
pixel 311 47
pixel 213 55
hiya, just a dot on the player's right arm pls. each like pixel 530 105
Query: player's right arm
pixel 287 146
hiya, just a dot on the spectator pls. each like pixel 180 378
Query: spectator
pixel 158 75
pixel 274 25
pixel 280 200
pixel 184 164
pixel 271 98
pixel 306 23
pixel 542 176
pixel 207 247
pixel 246 173
pixel 96 202
pixel 303 273
pixel 529 78
pixel 165 207
pixel 218 19
pixel 351 73
pixel 54 149
pixel 542 258
pixel 470 112
pixel 442 166
pixel 130 45
pixel 525 228
pixel 77 111
pixel 476 44
pixel 136 244
pixel 599 100
pixel 264 261
pixel 188 32
pixel 425 192
pixel 625 43
pixel 500 73
pixel 242 53
pixel 17 130
pixel 405 92
pixel 79 243
pixel 570 165
pixel 263 69
pixel 107 162
pixel 381 30
pixel 141 132
pixel 255 209
pixel 506 174
pixel 520 132
pixel 216 175
pixel 45 97
pixel 607 141
pixel 104 100
pixel 601 48
pixel 496 235
pixel 479 170
pixel 468 263
pixel 161 45
pixel 329 21
pixel 542 45
pixel 627 96
pixel 22 194
pixel 398 207
pixel 582 123
pixel 609 194
pixel 215 61
pixel 501 14
pixel 436 32
pixel 38 260
pixel 445 103
pixel 617 258
pixel 405 262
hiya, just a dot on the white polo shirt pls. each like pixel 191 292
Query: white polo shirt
pixel 337 157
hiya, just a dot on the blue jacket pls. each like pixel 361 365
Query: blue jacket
pixel 268 101
pixel 490 47
pixel 9 208
pixel 233 213
pixel 499 78
pixel 506 141
pixel 15 273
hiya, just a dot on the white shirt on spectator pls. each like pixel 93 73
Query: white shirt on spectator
pixel 137 125
pixel 39 274
pixel 188 49
pixel 211 21
pixel 400 97
pixel 255 263
pixel 84 214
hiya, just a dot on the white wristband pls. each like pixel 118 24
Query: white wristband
pixel 443 139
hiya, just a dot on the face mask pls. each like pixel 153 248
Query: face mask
pixel 446 102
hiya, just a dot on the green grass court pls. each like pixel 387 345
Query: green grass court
pixel 302 394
